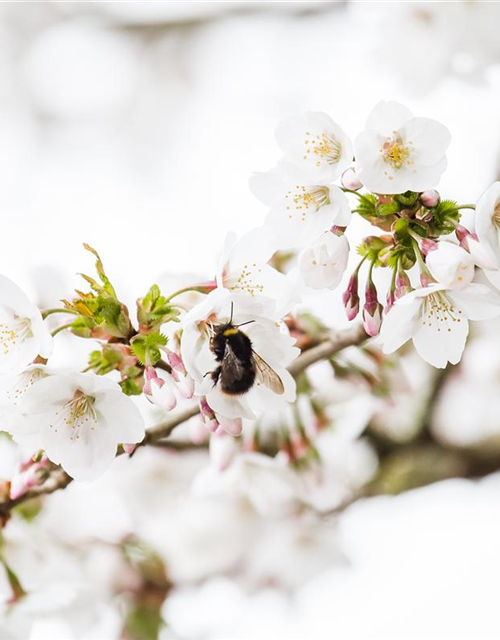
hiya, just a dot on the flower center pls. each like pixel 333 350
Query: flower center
pixel 245 279
pixel 305 199
pixel 23 382
pixel 322 147
pixel 14 333
pixel 496 216
pixel 439 311
pixel 395 153
pixel 76 414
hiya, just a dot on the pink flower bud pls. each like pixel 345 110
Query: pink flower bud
pixel 427 245
pixel 426 279
pixel 175 361
pixel 403 285
pixel 390 300
pixel 430 198
pixel 208 416
pixel 481 253
pixel 372 321
pixel 34 476
pixel 372 310
pixel 350 180
pixel 350 297
pixel 338 231
pixel 233 427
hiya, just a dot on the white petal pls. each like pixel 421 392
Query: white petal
pixel 478 301
pixel 440 343
pixel 429 137
pixel 387 117
pixel 400 323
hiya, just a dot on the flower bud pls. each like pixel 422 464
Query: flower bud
pixel 372 310
pixel 231 426
pixel 350 180
pixel 481 253
pixel 427 245
pixel 430 198
pixel 403 285
pixel 159 391
pixel 350 297
pixel 208 416
pixel 35 475
pixel 175 361
pixel 390 300
pixel 451 265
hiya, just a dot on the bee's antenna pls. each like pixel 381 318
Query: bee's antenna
pixel 232 307
pixel 244 323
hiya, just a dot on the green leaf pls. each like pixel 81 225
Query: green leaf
pixel 153 310
pixel 407 199
pixel 146 347
pixel 108 287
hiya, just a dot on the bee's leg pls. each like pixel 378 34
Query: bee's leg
pixel 214 375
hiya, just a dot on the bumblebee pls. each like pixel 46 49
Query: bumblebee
pixel 240 367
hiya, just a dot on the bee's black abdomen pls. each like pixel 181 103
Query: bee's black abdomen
pixel 236 386
pixel 233 349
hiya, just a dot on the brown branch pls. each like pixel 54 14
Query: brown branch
pixel 334 343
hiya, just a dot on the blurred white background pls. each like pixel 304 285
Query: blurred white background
pixel 134 126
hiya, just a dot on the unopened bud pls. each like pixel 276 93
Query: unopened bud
pixel 390 300
pixel 159 391
pixel 427 245
pixel 208 416
pixel 481 253
pixel 372 310
pixel 403 285
pixel 350 180
pixel 430 198
pixel 350 297
pixel 175 361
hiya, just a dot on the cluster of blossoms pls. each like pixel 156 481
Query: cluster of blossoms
pixel 79 420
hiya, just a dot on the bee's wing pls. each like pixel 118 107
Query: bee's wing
pixel 232 367
pixel 266 375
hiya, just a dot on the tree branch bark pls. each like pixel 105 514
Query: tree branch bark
pixel 337 341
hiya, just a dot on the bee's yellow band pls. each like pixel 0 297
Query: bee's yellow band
pixel 230 332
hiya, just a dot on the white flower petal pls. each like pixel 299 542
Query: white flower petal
pixel 478 301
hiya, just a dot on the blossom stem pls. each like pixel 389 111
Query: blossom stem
pixel 49 312
pixel 61 328
pixel 200 288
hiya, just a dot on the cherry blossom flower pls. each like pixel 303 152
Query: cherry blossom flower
pixel 300 211
pixel 268 341
pixel 322 263
pixel 78 419
pixel 487 220
pixel 23 334
pixel 314 147
pixel 397 152
pixel 437 318
pixel 451 265
pixel 243 267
